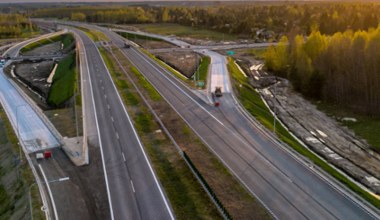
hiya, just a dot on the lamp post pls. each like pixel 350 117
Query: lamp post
pixel 30 200
pixel 30 194
pixel 274 104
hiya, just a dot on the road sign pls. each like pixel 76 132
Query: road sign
pixel 230 52
pixel 200 83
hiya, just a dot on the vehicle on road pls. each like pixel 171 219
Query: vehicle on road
pixel 218 91
pixel 126 45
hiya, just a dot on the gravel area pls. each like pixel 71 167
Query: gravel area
pixel 35 75
pixel 321 133
pixel 324 135
pixel 184 62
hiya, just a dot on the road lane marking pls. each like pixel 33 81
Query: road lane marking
pixel 49 191
pixel 138 139
pixel 105 96
pixel 112 119
pixel 108 106
pixel 133 188
pixel 123 156
pixel 117 135
pixel 99 136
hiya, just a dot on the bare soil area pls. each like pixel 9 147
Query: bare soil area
pixel 151 44
pixel 48 49
pixel 185 62
pixel 324 135
pixel 35 75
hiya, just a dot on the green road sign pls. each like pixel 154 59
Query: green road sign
pixel 230 52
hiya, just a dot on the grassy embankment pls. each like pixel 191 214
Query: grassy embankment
pixel 64 81
pixel 253 103
pixel 185 31
pixel 186 197
pixel 365 127
pixel 66 39
pixel 15 178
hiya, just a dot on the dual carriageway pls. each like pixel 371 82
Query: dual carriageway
pixel 286 185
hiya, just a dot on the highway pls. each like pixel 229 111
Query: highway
pixel 287 186
pixel 133 189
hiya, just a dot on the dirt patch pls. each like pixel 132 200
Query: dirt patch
pixel 151 44
pixel 324 135
pixel 48 49
pixel 185 62
pixel 35 75
pixel 64 120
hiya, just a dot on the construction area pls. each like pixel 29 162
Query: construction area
pixel 321 133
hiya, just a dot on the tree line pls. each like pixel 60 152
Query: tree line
pixel 343 68
pixel 284 19
pixel 14 25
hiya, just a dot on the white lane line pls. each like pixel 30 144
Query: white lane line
pixel 99 137
pixel 133 188
pixel 102 87
pixel 122 153
pixel 138 140
pixel 117 135
pixel 108 106
pixel 49 191
pixel 112 119
pixel 105 96
pixel 164 75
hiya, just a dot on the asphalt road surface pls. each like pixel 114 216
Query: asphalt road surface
pixel 30 128
pixel 134 191
pixel 288 188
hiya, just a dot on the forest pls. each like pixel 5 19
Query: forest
pixel 343 68
pixel 333 53
pixel 14 25
pixel 284 19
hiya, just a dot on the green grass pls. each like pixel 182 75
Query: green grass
pixel 64 81
pixel 253 103
pixel 13 194
pixel 258 53
pixel 121 84
pixel 186 196
pixel 154 95
pixel 366 127
pixel 66 39
pixel 184 31
pixel 203 68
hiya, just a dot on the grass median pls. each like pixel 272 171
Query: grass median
pixel 253 103
pixel 239 203
pixel 185 194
